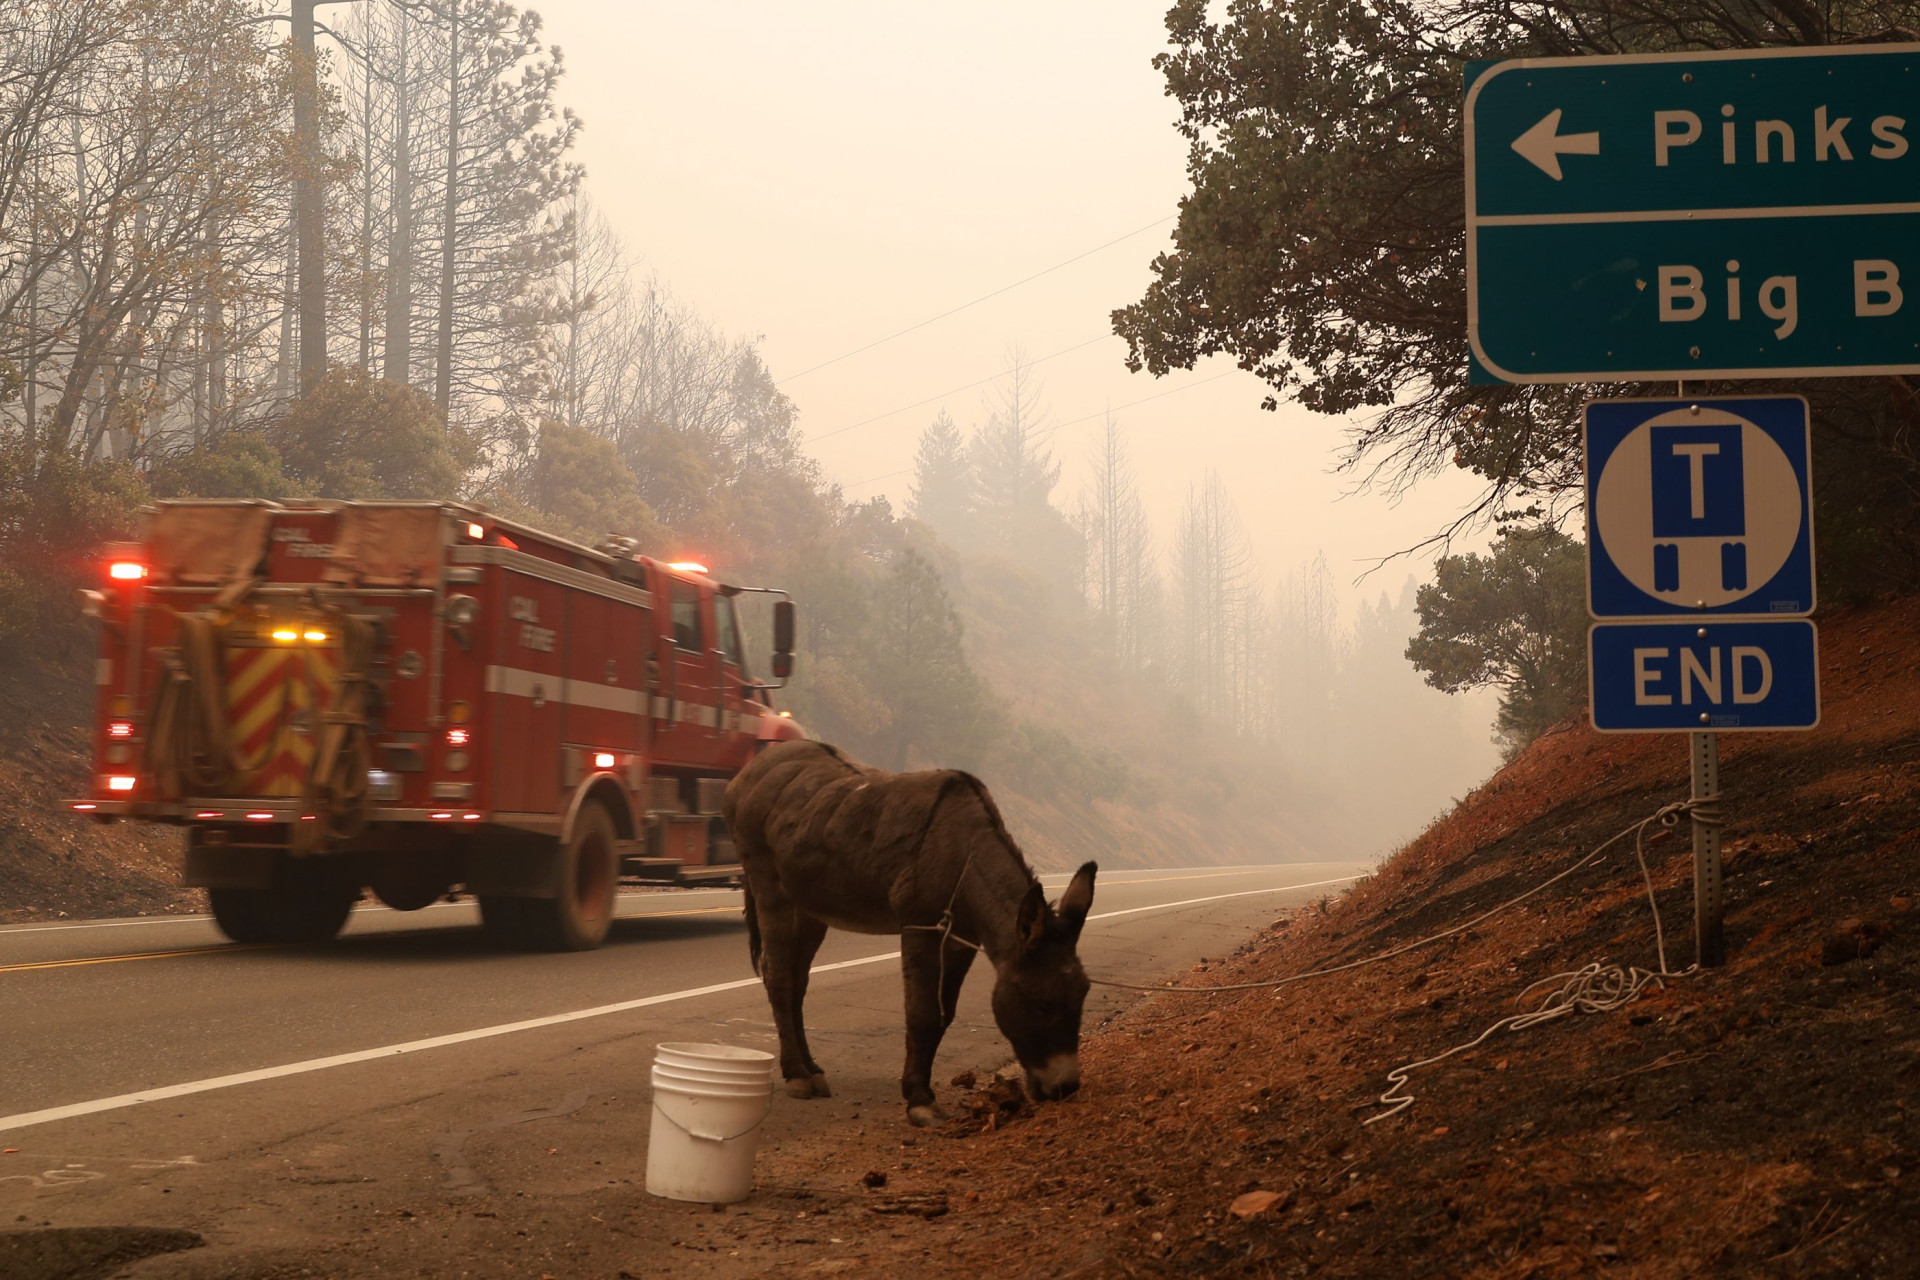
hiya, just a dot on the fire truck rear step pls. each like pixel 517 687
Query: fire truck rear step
pixel 674 871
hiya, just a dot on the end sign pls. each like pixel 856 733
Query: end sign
pixel 1700 565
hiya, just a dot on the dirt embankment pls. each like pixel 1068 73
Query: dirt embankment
pixel 52 862
pixel 1756 1119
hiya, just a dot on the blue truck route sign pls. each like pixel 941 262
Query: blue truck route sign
pixel 1699 508
pixel 1704 675
pixel 1752 213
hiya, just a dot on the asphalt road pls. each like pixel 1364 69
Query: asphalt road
pixel 150 1058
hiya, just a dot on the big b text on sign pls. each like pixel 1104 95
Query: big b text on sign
pixel 1743 214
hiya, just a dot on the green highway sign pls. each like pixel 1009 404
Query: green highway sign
pixel 1754 213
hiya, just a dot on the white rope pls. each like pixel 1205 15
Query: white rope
pixel 1667 816
pixel 1595 988
pixel 1598 987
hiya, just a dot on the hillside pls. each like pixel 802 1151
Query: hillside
pixel 51 862
pixel 1750 1120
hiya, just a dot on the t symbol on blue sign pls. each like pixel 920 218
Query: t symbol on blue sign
pixel 1699 486
pixel 1699 491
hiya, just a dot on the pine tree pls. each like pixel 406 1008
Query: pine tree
pixel 1015 475
pixel 943 487
pixel 936 705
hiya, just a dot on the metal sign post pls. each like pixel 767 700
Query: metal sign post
pixel 1710 948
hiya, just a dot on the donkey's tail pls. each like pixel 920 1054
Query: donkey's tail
pixel 753 925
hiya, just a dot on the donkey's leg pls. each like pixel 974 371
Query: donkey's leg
pixel 779 929
pixel 809 933
pixel 959 960
pixel 931 999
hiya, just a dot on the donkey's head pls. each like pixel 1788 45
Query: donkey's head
pixel 1039 994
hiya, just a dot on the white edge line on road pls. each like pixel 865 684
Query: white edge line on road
pixel 74 1109
pixel 1247 893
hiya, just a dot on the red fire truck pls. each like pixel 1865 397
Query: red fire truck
pixel 414 696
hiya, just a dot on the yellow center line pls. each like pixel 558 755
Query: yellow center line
pixel 143 955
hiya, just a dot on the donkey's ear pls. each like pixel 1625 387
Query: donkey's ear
pixel 1030 926
pixel 1078 899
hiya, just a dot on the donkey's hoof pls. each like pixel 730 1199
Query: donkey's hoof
pixel 929 1115
pixel 820 1089
pixel 802 1087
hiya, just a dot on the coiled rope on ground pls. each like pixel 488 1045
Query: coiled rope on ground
pixel 1598 987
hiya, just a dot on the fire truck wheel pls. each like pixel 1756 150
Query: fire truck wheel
pixel 578 919
pixel 504 921
pixel 240 913
pixel 307 906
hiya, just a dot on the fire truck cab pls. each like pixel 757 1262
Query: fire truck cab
pixel 415 697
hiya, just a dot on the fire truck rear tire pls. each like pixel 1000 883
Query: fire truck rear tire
pixel 577 919
pixel 306 906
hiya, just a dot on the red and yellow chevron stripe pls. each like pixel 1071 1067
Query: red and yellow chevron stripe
pixel 275 699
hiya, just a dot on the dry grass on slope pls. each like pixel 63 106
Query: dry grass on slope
pixel 1751 1120
pixel 53 863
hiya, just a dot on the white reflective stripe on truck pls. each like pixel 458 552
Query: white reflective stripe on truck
pixel 539 686
pixel 687 713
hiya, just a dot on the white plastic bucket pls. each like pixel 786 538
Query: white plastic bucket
pixel 717 1059
pixel 664 1078
pixel 709 1101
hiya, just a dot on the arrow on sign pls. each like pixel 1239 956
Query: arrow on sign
pixel 1544 144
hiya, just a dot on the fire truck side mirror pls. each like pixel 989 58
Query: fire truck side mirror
pixel 782 639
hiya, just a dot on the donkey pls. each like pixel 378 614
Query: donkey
pixel 828 843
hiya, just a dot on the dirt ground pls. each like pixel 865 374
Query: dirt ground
pixel 53 863
pixel 1751 1120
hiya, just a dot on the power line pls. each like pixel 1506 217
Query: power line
pixel 956 391
pixel 870 479
pixel 1158 395
pixel 976 302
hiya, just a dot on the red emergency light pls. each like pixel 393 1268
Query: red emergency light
pixel 126 571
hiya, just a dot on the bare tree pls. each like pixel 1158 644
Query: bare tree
pixel 153 182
